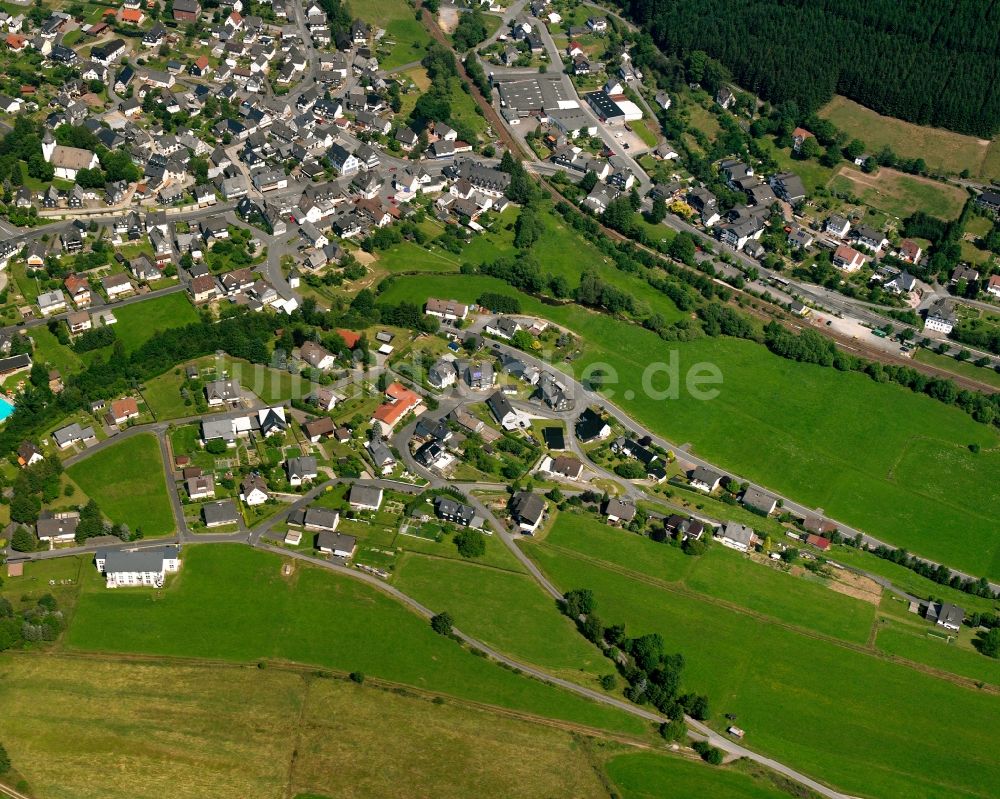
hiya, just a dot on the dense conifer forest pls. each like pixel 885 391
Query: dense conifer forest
pixel 933 62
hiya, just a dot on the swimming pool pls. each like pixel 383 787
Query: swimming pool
pixel 6 409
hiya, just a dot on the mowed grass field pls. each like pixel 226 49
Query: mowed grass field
pixel 861 723
pixel 95 728
pixel 141 321
pixel 899 194
pixel 314 617
pixel 506 610
pixel 127 481
pixel 642 775
pixel 876 456
pixel 942 150
pixel 721 574
pixel 408 36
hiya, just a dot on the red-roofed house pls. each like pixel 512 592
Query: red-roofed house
pixel 201 67
pixel 122 410
pixel 993 286
pixel 133 16
pixel 818 541
pixel 16 42
pixel 848 259
pixel 79 290
pixel 350 338
pixel 399 403
pixel 799 135
pixel 910 250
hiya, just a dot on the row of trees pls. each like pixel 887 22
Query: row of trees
pixel 653 675
pixel 936 67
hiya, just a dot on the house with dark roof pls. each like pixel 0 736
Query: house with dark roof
pixel 218 514
pixel 452 510
pixel 528 510
pixel 590 426
pixel 759 501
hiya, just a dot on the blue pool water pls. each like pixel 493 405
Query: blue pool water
pixel 6 409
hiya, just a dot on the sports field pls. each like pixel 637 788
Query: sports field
pixel 942 150
pixel 899 194
pixel 90 728
pixel 128 483
pixel 311 616
pixel 877 456
pixel 141 321
pixel 868 726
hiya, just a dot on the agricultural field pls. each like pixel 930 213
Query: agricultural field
pixel 942 150
pixel 928 493
pixel 311 616
pixel 920 642
pixel 899 194
pixel 127 481
pixel 720 573
pixel 265 734
pixel 784 686
pixel 141 321
pixel 643 775
pixel 506 610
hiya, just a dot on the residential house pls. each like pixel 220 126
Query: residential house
pixel 759 501
pixel 454 511
pixel 221 513
pixel 400 401
pixel 222 392
pixel 591 426
pixel 73 433
pixel 705 479
pixel 508 417
pixel 940 317
pixel 738 536
pixel 316 356
pixel 527 509
pixel 848 259
pixel 58 529
pixel 201 487
pixel 336 544
pixel 562 466
pixel 945 614
pixel 618 510
pixel 253 490
pixel 301 469
pixel 362 497
pixel 122 410
pixel 146 567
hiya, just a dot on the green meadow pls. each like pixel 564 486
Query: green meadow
pixel 141 321
pixel 232 603
pixel 644 775
pixel 506 610
pixel 875 456
pixel 868 726
pixel 128 483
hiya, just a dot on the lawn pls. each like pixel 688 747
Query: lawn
pixel 409 37
pixel 642 129
pixel 814 175
pixel 719 573
pixel 506 610
pixel 95 728
pixel 866 725
pixel 49 351
pixel 163 395
pixel 899 194
pixel 128 483
pixel 411 257
pixel 966 368
pixel 314 617
pixel 141 321
pixel 917 484
pixel 644 775
pixel 942 150
pixel 916 643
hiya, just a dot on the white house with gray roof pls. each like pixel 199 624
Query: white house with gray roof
pixel 138 567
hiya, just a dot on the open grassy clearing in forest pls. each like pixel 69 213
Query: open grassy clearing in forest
pixel 128 483
pixel 506 610
pixel 899 194
pixel 894 463
pixel 942 150
pixel 312 616
pixel 865 725
pixel 141 321
pixel 88 728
